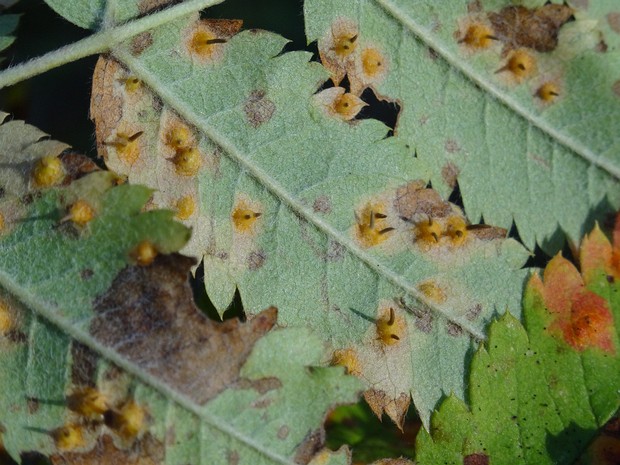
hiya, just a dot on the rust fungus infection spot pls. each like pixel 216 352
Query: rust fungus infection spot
pixel 344 43
pixel 476 459
pixel 258 109
pixel 521 64
pixel 256 260
pixel 127 146
pixel 449 173
pixel 88 402
pixel 613 19
pixel 47 172
pixel 7 318
pixel 86 274
pixel 453 329
pixel 322 204
pixel 179 137
pixel 427 232
pixel 347 106
pixel 432 291
pixel 204 42
pixel 478 35
pixel 548 92
pixel 2 222
pixel 537 29
pixel 128 421
pixel 244 217
pixel 187 162
pixel 283 432
pixel 233 457
pixel 140 43
pixel 132 83
pixel 144 253
pixel 372 226
pixel 348 359
pixel 68 437
pixel 456 230
pixel 373 62
pixel 616 88
pixel 452 146
pixel 390 327
pixel 185 207
pixel 81 213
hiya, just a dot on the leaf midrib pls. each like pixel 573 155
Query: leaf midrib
pixel 471 73
pixel 54 316
pixel 185 111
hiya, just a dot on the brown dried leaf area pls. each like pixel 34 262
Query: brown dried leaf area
pixel 414 215
pixel 344 52
pixel 147 451
pixel 149 317
pixel 526 38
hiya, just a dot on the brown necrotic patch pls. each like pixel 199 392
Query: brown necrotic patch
pixel 83 365
pixel 149 317
pixel 258 109
pixel 140 43
pixel 449 173
pixel 616 88
pixel 537 29
pixel 613 19
pixel 322 204
pixel 476 459
pixel 256 260
pixel 283 432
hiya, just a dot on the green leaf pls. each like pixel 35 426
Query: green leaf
pixel 81 308
pixel 551 385
pixel 515 156
pixel 8 24
pixel 282 192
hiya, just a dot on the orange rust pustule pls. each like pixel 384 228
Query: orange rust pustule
pixel 348 359
pixel 478 36
pixel 373 62
pixel 372 225
pixel 244 218
pixel 390 328
pixel 548 92
pixel 521 64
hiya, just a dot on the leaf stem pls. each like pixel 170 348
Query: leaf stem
pixel 99 42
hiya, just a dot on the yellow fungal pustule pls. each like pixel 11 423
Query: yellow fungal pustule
pixel 187 162
pixel 372 225
pixel 348 359
pixel 48 171
pixel 521 64
pixel 390 328
pixel 244 218
pixel 144 253
pixel 347 106
pixel 373 62
pixel 68 437
pixel 7 319
pixel 132 83
pixel 456 230
pixel 81 213
pixel 427 232
pixel 344 44
pixel 478 36
pixel 88 402
pixel 179 137
pixel 185 207
pixel 128 421
pixel 203 43
pixel 548 92
pixel 127 146
pixel 432 291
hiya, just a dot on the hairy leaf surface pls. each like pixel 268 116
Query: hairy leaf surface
pixel 520 107
pixel 297 207
pixel 104 356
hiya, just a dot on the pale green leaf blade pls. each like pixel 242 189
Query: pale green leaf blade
pixel 260 145
pixel 79 310
pixel 515 157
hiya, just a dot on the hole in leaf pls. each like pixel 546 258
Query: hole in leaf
pixel 383 110
pixel 370 439
pixel 203 302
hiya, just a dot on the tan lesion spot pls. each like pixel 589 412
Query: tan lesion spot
pixel 348 359
pixel 185 207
